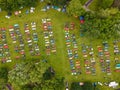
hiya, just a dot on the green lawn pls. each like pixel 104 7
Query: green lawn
pixel 59 61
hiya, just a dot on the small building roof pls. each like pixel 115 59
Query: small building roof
pixel 113 84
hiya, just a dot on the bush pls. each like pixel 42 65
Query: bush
pixel 100 4
pixel 85 86
pixel 4 73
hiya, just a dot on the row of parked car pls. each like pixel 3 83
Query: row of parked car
pixel 107 57
pixel 32 39
pixel 4 48
pixel 89 59
pixel 72 49
pixel 116 54
pixel 48 36
pixel 17 40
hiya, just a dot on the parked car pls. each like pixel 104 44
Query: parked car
pixel 66 86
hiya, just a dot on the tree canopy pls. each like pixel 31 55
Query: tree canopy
pixel 11 5
pixel 3 72
pixel 75 8
pixel 85 86
pixel 57 2
pixel 26 73
pixel 35 76
pixel 100 4
pixel 101 27
pixel 3 77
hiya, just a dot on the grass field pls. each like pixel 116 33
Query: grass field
pixel 59 61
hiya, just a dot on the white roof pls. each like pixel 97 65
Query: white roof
pixel 113 84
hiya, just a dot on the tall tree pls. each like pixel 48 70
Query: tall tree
pixel 100 4
pixel 75 8
pixel 75 86
pixel 27 73
pixel 35 76
pixel 57 2
pixel 85 86
pixel 101 27
pixel 11 5
pixel 3 77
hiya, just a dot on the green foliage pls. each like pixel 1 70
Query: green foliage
pixel 27 87
pixel 27 73
pixel 57 2
pixel 75 86
pixel 11 5
pixel 100 4
pixel 30 3
pixel 3 73
pixel 86 86
pixel 75 8
pixel 30 76
pixel 108 12
pixel 97 27
pixel 48 74
pixel 3 77
pixel 106 3
pixel 95 5
pixel 56 83
pixel 83 1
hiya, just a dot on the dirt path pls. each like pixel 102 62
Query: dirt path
pixel 87 4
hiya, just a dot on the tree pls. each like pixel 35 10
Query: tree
pixel 4 73
pixel 108 12
pixel 3 77
pixel 75 86
pixel 57 2
pixel 27 73
pixel 83 1
pixel 105 3
pixel 100 4
pixel 75 8
pixel 35 76
pixel 101 27
pixel 49 74
pixel 85 86
pixel 88 86
pixel 11 5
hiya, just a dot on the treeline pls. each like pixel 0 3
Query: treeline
pixel 101 27
pixel 35 76
pixel 102 24
pixel 57 2
pixel 11 5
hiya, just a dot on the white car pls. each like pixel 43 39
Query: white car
pixel 29 41
pixel 66 86
pixel 26 30
pixel 11 29
pixel 9 61
pixel 100 83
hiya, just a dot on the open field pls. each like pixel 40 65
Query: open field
pixel 59 60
